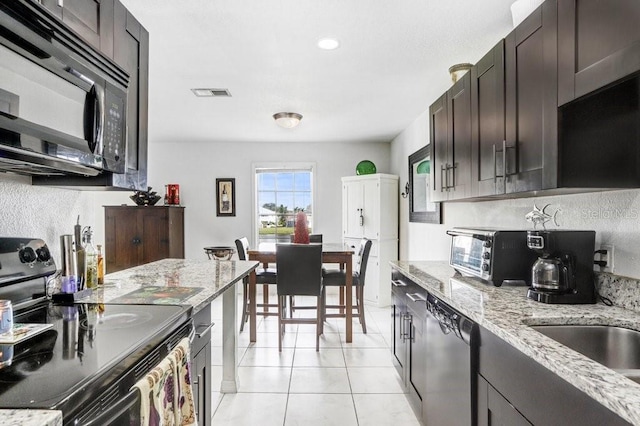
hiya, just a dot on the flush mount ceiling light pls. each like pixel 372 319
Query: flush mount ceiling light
pixel 458 70
pixel 287 120
pixel 328 43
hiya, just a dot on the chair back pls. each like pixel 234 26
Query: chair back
pixel 363 259
pixel 242 245
pixel 299 269
pixel 315 238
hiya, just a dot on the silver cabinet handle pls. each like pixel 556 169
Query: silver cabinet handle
pixel 398 283
pixel 199 334
pixel 504 166
pixel 443 170
pixel 416 297
pixel 495 167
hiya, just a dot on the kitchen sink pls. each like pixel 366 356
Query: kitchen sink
pixel 614 347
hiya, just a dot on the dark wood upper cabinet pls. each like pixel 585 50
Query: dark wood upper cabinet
pixel 91 19
pixel 450 118
pixel 131 51
pixel 438 123
pixel 599 43
pixel 487 123
pixel 531 113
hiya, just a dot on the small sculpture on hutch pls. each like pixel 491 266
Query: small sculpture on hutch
pixel 301 231
pixel 145 198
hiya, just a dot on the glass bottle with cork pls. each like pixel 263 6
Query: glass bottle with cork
pixel 91 259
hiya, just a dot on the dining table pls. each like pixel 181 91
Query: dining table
pixel 334 253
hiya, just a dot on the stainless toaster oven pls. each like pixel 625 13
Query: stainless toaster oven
pixel 495 256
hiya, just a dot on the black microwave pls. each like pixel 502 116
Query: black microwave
pixel 62 103
pixel 495 256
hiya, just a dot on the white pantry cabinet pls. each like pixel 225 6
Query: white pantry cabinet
pixel 370 210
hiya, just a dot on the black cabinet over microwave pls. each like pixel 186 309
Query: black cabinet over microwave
pixel 62 103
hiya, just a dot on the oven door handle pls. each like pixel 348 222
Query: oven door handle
pixel 113 413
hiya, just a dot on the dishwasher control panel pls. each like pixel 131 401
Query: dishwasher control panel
pixel 450 320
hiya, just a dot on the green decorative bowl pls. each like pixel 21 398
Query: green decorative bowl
pixel 424 167
pixel 365 167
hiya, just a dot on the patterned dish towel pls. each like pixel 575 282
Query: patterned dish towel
pixel 166 394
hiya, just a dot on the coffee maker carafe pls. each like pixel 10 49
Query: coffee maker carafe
pixel 563 272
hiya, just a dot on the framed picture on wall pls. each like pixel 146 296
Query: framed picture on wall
pixel 225 197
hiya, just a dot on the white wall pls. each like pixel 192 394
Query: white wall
pixel 195 167
pixel 614 215
pixel 43 212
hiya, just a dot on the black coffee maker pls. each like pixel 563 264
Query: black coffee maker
pixel 563 272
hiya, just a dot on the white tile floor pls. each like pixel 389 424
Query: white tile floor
pixel 343 384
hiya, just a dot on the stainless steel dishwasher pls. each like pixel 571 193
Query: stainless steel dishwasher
pixel 451 385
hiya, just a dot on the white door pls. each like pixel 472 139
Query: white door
pixel 352 206
pixel 371 209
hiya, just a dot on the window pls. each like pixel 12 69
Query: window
pixel 280 194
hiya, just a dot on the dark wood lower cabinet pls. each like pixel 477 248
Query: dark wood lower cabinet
pixel 521 391
pixel 201 365
pixel 137 235
pixel 494 409
pixel 409 311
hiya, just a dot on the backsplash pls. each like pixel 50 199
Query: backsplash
pixel 622 291
pixel 42 212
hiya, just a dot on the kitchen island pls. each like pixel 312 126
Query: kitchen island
pixel 193 284
pixel 507 313
pixel 203 280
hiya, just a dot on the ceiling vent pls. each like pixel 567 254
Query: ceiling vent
pixel 204 93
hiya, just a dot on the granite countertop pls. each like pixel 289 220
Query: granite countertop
pixel 193 282
pixel 506 312
pixel 31 417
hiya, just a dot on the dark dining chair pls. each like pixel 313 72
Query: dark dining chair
pixel 264 275
pixel 313 238
pixel 299 274
pixel 337 278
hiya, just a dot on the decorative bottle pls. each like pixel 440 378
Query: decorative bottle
pixel 100 265
pixel 91 260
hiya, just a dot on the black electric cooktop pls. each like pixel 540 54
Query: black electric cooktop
pixel 86 351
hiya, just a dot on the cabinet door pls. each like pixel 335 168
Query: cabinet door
pixel 371 208
pixel 123 248
pixel 131 51
pixel 459 139
pixel 531 109
pixel 398 312
pixel 599 43
pixel 154 234
pixel 438 122
pixel 487 120
pixel 417 340
pixel 201 385
pixel 494 409
pixel 352 204
pixel 91 19
pixel 201 365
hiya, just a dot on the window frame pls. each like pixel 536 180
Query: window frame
pixel 284 167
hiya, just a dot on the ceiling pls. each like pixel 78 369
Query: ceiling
pixel 392 63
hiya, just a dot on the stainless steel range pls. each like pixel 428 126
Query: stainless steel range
pixel 87 362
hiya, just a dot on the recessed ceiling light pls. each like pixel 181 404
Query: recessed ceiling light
pixel 203 93
pixel 328 43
